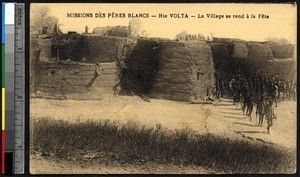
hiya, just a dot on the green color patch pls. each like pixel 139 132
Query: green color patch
pixel 3 66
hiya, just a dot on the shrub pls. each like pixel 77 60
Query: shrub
pixel 135 143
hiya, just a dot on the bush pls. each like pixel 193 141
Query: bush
pixel 134 143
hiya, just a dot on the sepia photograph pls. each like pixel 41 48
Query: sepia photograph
pixel 177 88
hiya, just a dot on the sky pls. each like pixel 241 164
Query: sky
pixel 281 21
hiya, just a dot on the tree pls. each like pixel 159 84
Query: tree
pixel 277 40
pixel 135 28
pixel 182 35
pixel 40 18
pixel 56 30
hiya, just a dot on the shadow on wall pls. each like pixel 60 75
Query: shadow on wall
pixel 142 66
pixel 165 69
pixel 269 58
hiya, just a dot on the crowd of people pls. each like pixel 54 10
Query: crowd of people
pixel 257 89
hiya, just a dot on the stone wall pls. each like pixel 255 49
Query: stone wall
pixel 84 48
pixel 106 49
pixel 269 58
pixel 159 68
pixel 285 68
pixel 240 50
pixel 259 51
pixel 282 51
pixel 70 80
pixel 185 71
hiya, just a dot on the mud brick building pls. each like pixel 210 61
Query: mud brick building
pixel 185 71
pixel 159 68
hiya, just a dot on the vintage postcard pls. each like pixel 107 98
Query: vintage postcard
pixel 163 88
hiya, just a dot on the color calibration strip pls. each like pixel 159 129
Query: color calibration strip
pixel 13 90
pixel 3 92
pixel 9 85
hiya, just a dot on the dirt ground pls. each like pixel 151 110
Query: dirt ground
pixel 42 166
pixel 222 118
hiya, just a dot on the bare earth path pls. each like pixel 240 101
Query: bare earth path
pixel 222 118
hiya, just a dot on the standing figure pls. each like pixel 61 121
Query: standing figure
pixel 122 72
pixel 257 84
pixel 247 106
pixel 284 90
pixel 293 90
pixel 279 84
pixel 269 114
pixel 260 110
pixel 288 95
pixel 274 93
pixel 86 29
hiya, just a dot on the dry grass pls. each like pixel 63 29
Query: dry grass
pixel 135 144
